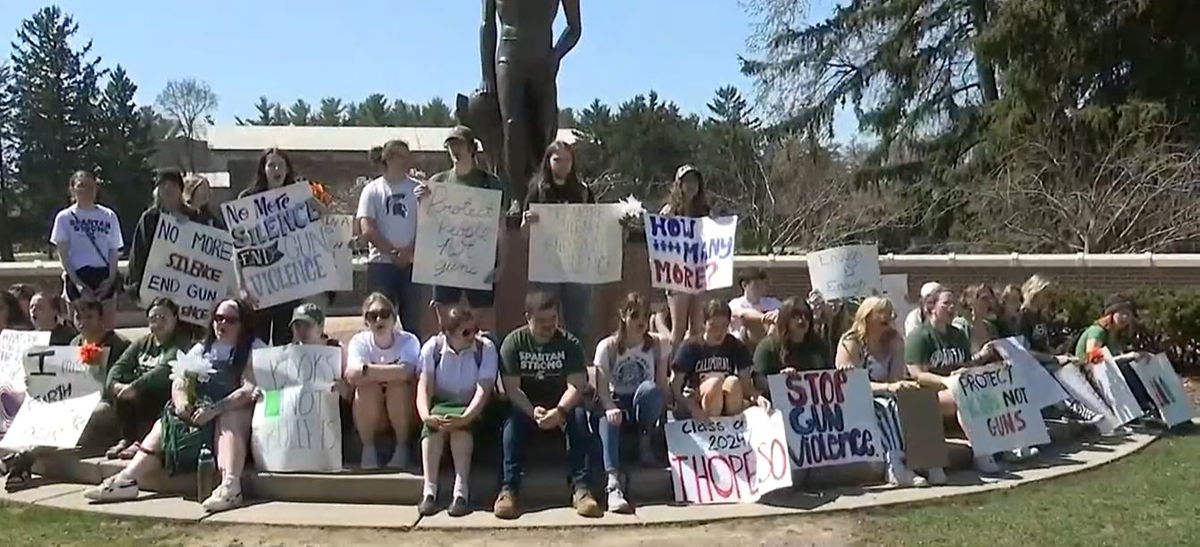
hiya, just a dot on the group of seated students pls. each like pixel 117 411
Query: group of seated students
pixel 540 375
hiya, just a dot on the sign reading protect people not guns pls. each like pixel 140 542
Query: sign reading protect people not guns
pixel 280 245
pixel 576 243
pixel 690 255
pixel 61 394
pixel 845 272
pixel 996 409
pixel 728 460
pixel 457 232
pixel 189 263
pixel 829 416
pixel 296 425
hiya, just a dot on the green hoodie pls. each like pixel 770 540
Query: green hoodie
pixel 146 364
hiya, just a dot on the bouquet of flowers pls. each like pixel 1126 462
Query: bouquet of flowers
pixel 89 354
pixel 632 214
pixel 191 370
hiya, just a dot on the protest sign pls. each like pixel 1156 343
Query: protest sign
pixel 1111 385
pixel 189 263
pixel 1165 388
pixel 297 425
pixel 895 288
pixel 576 243
pixel 728 460
pixel 280 245
pixel 690 255
pixel 995 408
pixel 62 392
pixel 339 230
pixel 844 272
pixel 829 417
pixel 1044 390
pixel 13 345
pixel 457 232
pixel 922 428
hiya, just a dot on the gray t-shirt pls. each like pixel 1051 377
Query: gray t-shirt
pixel 393 207
pixel 627 369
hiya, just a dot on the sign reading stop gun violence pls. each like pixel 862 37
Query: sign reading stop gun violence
pixel 61 394
pixel 829 417
pixel 690 255
pixel 996 410
pixel 280 245
pixel 730 459
pixel 190 264
pixel 296 425
pixel 457 232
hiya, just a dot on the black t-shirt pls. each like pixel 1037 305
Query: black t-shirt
pixel 696 358
pixel 548 192
pixel 1043 333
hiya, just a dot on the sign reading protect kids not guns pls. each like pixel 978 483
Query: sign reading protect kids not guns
pixel 829 417
pixel 728 460
pixel 690 255
pixel 190 264
pixel 280 245
pixel 996 410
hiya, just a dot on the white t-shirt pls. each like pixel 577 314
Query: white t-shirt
pixel 456 374
pixel 72 226
pixel 405 348
pixel 393 207
pixel 913 321
pixel 764 305
pixel 627 369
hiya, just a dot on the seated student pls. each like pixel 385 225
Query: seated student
pixel 214 414
pixel 23 292
pixel 935 350
pixel 873 344
pixel 749 309
pixel 979 319
pixel 1114 330
pixel 794 345
pixel 631 383
pixel 715 370
pixel 48 312
pixel 458 374
pixel 544 377
pixel 920 314
pixel 382 364
pixel 831 318
pixel 12 314
pixel 139 382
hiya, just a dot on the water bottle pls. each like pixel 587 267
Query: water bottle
pixel 205 471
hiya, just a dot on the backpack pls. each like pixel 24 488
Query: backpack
pixel 440 344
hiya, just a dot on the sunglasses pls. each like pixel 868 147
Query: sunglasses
pixel 226 319
pixel 378 315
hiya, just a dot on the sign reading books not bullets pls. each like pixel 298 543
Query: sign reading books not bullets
pixel 280 245
pixel 690 255
pixel 296 425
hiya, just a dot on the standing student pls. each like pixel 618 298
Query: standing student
pixel 48 313
pixel 461 147
pixel 168 191
pixel 687 199
pixel 274 171
pixel 382 364
pixel 544 378
pixel 793 347
pixel 751 308
pixel 1114 331
pixel 458 374
pixel 712 375
pixel 198 204
pixel 88 237
pixel 557 182
pixel 387 219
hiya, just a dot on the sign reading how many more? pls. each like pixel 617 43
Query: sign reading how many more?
pixel 690 255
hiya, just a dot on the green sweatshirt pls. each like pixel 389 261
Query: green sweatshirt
pixel 146 364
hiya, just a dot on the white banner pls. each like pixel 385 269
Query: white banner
pixel 845 272
pixel 1111 385
pixel 62 393
pixel 1044 390
pixel 280 245
pixel 576 243
pixel 1166 389
pixel 457 233
pixel 13 345
pixel 728 460
pixel 189 263
pixel 691 255
pixel 996 410
pixel 296 424
pixel 895 288
pixel 829 417
pixel 313 366
pixel 339 230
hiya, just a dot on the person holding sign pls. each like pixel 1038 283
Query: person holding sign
pixel 381 364
pixel 198 204
pixel 687 199
pixel 872 344
pixel 458 374
pixel 213 410
pixel 712 376
pixel 168 189
pixel 87 236
pixel 544 378
pixel 793 345
pixel 750 310
pixel 387 218
pixel 1114 330
pixel 138 384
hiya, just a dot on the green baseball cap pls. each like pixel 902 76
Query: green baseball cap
pixel 308 313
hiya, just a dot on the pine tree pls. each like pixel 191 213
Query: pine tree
pixel 125 148
pixel 332 112
pixel 300 113
pixel 9 200
pixel 436 114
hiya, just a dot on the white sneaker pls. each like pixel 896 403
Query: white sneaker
pixel 226 496
pixel 370 459
pixel 112 489
pixel 937 476
pixel 899 474
pixel 1026 453
pixel 617 502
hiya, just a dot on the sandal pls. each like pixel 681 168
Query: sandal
pixel 116 449
pixel 129 452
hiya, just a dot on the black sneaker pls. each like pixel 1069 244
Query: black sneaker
pixel 428 506
pixel 458 507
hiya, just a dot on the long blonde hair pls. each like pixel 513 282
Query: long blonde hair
pixel 1033 287
pixel 872 304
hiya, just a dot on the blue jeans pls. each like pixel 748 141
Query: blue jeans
pixel 644 407
pixel 576 307
pixel 396 284
pixel 515 439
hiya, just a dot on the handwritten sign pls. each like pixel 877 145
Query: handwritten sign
pixel 895 288
pixel 996 410
pixel 457 232
pixel 576 244
pixel 13 345
pixel 1111 385
pixel 844 272
pixel 1166 389
pixel 296 425
pixel 61 394
pixel 189 263
pixel 690 255
pixel 829 417
pixel 280 245
pixel 339 230
pixel 1044 390
pixel 728 460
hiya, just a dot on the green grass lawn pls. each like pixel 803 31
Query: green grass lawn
pixel 29 525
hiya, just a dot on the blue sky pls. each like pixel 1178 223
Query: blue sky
pixel 408 49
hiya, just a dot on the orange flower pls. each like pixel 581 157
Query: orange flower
pixel 90 353
pixel 321 193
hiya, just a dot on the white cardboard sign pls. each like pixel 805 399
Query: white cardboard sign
pixel 829 417
pixel 1111 385
pixel 1044 390
pixel 189 263
pixel 339 230
pixel 13 345
pixel 691 255
pixel 1166 389
pixel 996 409
pixel 297 425
pixel 62 393
pixel 733 459
pixel 457 233
pixel 576 243
pixel 845 272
